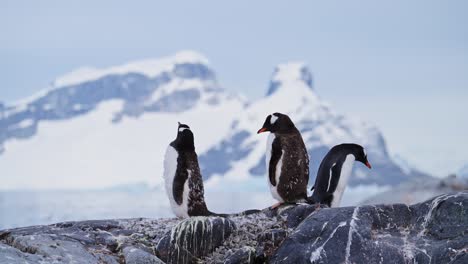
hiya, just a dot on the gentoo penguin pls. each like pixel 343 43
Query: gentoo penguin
pixel 287 161
pixel 334 172
pixel 184 184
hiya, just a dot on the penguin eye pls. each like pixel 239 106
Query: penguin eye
pixel 183 128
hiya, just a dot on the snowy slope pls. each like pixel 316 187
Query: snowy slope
pixel 114 129
pixel 104 127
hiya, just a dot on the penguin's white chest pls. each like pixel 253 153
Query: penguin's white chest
pixel 170 168
pixel 346 170
pixel 279 165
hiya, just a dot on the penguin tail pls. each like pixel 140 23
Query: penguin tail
pixel 311 200
pixel 216 214
pixel 247 212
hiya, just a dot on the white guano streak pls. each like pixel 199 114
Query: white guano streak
pixel 352 229
pixel 318 251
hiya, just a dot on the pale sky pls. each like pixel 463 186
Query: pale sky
pixel 402 65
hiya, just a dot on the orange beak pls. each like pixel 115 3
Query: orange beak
pixel 261 130
pixel 368 165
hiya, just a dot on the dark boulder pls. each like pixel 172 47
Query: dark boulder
pixel 429 232
pixel 193 238
pixel 245 255
pixel 134 255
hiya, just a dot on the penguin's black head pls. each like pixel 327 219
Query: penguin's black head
pixel 361 155
pixel 184 138
pixel 277 123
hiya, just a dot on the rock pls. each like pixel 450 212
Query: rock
pixel 245 255
pixel 74 242
pixel 434 231
pixel 429 232
pixel 12 255
pixel 295 214
pixel 274 236
pixel 107 259
pixel 268 242
pixel 59 248
pixel 247 234
pixel 133 255
pixel 194 237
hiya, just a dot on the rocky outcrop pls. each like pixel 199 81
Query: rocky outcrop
pixel 430 232
pixel 193 238
pixel 434 231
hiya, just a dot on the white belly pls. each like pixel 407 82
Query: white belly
pixel 346 170
pixel 170 167
pixel 273 189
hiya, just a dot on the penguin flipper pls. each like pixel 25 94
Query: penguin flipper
pixel 335 172
pixel 276 154
pixel 179 185
pixel 216 214
pixel 244 213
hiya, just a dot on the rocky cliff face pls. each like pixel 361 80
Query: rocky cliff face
pixel 434 231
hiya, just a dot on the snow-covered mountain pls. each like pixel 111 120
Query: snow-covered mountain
pixel 103 127
pixel 242 153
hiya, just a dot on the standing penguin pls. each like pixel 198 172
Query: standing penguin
pixel 184 184
pixel 334 172
pixel 287 161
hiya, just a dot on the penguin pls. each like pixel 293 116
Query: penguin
pixel 287 161
pixel 334 172
pixel 183 180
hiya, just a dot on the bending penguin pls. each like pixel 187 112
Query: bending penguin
pixel 184 183
pixel 287 161
pixel 334 172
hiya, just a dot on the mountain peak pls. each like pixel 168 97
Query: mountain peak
pixel 290 73
pixel 148 67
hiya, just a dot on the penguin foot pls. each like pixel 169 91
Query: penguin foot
pixel 276 205
pixel 318 206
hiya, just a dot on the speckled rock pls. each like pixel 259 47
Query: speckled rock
pixel 434 231
pixel 431 232
pixel 13 255
pixel 245 255
pixel 103 241
pixel 134 255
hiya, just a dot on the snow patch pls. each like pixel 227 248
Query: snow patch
pixel 25 123
pixel 149 67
